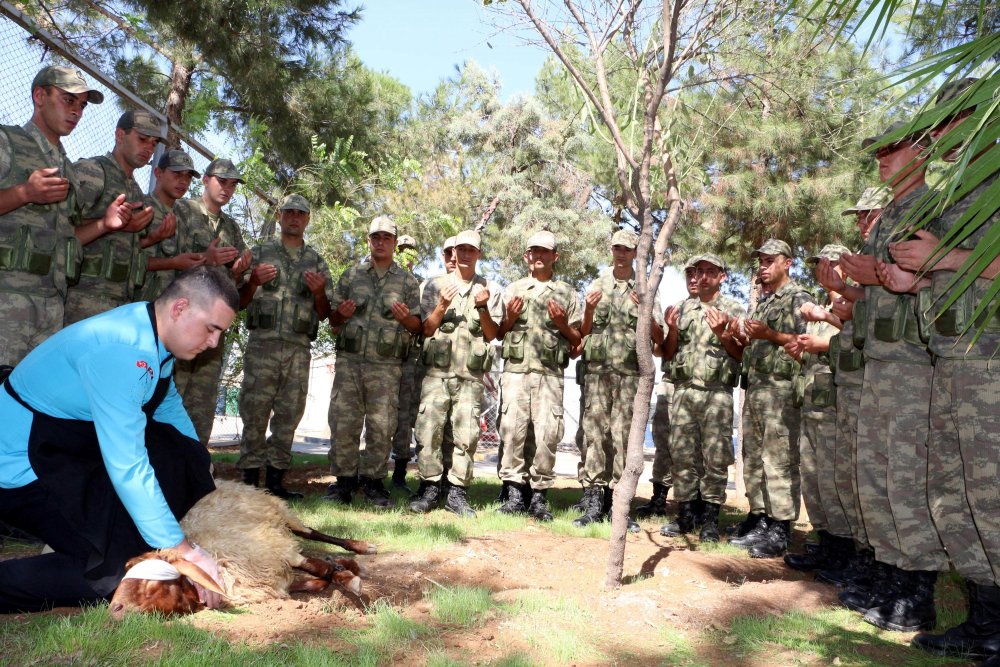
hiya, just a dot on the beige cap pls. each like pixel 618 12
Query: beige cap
pixel 831 251
pixel 774 247
pixel 223 168
pixel 406 241
pixel 143 122
pixel 295 203
pixel 382 223
pixel 624 237
pixel 449 243
pixel 543 239
pixel 68 79
pixel 177 160
pixel 468 237
pixel 871 199
pixel 714 260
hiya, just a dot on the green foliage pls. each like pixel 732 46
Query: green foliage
pixel 464 606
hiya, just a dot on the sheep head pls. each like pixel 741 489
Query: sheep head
pixel 160 581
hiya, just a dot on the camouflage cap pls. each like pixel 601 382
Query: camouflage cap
pixel 143 122
pixel 449 243
pixel 831 251
pixel 894 129
pixel 294 202
pixel 223 168
pixel 68 79
pixel 624 237
pixel 691 262
pixel 468 237
pixel 382 223
pixel 714 260
pixel 953 89
pixel 406 241
pixel 177 160
pixel 543 239
pixel 871 199
pixel 774 247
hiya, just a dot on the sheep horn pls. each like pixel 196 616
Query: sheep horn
pixel 198 576
pixel 357 546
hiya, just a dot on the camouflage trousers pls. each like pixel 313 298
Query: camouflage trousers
pixel 197 382
pixel 364 395
pixel 275 386
pixel 80 305
pixel 845 467
pixel 771 450
pixel 892 465
pixel 25 321
pixel 607 419
pixel 662 472
pixel 410 381
pixel 817 465
pixel 701 442
pixel 445 401
pixel 531 426
pixel 964 465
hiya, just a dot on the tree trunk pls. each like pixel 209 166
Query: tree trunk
pixel 180 86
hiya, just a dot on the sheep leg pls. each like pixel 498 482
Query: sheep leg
pixel 308 585
pixel 333 572
pixel 357 546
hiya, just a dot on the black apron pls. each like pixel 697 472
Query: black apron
pixel 65 455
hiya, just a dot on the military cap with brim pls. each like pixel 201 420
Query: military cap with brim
pixel 143 122
pixel 406 241
pixel 382 223
pixel 177 160
pixel 543 239
pixel 468 237
pixel 223 168
pixel 449 243
pixel 692 261
pixel 894 132
pixel 714 260
pixel 831 251
pixel 68 79
pixel 774 247
pixel 294 202
pixel 871 199
pixel 624 237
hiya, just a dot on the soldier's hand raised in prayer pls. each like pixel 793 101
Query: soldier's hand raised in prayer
pixel 911 255
pixel 717 320
pixel 813 344
pixel 264 273
pixel 828 276
pixel 515 307
pixel 241 265
pixel 843 309
pixel 482 296
pixel 165 230
pixel 448 294
pixel 794 349
pixel 316 282
pixel 557 313
pixel 46 186
pixel 346 309
pixel 400 311
pixel 671 316
pixel 757 329
pixel 592 298
pixel 112 220
pixel 812 312
pixel 895 279
pixel 216 256
pixel 140 219
pixel 187 260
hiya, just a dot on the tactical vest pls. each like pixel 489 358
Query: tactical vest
pixel 611 345
pixel 534 343
pixel 38 251
pixel 457 348
pixel 816 378
pixel 701 359
pixel 846 361
pixel 373 332
pixel 285 308
pixel 157 281
pixel 197 233
pixel 764 359
pixel 114 265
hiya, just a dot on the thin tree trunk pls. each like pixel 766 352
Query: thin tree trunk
pixel 180 86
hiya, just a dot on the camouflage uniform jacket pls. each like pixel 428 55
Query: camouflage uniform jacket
pixel 156 281
pixel 610 346
pixel 285 308
pixel 701 360
pixel 373 334
pixel 766 361
pixel 37 244
pixel 892 331
pixel 113 265
pixel 534 344
pixel 196 230
pixel 457 349
pixel 817 376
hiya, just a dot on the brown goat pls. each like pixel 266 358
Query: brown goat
pixel 251 535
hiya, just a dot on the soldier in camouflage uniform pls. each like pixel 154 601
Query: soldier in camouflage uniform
pixel 204 228
pixel 460 311
pixel 893 417
pixel 770 416
pixel 540 326
pixel 409 384
pixel 705 359
pixel 286 296
pixel 114 266
pixel 610 349
pixel 376 315
pixel 817 449
pixel 174 173
pixel 39 249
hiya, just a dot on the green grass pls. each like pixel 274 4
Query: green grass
pixel 462 606
pixel 388 633
pixel 556 628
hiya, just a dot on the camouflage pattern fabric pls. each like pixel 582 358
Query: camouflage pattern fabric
pixel 364 396
pixel 275 386
pixel 662 461
pixel 197 382
pixel 156 281
pixel 607 419
pixel 455 402
pixel 846 461
pixel 114 267
pixel 26 321
pixel 771 425
pixel 197 228
pixel 411 379
pixel 535 345
pixel 892 465
pixel 531 426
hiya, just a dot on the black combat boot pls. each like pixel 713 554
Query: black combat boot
pixel 375 492
pixel 831 553
pixel 913 609
pixel 515 499
pixel 978 636
pixel 757 533
pixel 884 587
pixel 399 474
pixel 607 501
pixel 428 497
pixel 457 502
pixel 342 490
pixel 684 523
pixel 749 522
pixel 710 524
pixel 593 511
pixel 581 504
pixel 538 508
pixel 774 543
pixel 857 571
pixel 272 481
pixel 251 476
pixel 657 505
pixel 698 510
pixel 504 491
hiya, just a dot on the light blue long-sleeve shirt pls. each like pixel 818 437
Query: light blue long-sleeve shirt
pixel 103 370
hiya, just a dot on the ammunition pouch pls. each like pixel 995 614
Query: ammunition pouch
pixel 716 370
pixel 304 290
pixel 274 284
pixel 823 394
pixel 74 257
pixel 773 365
pixel 581 371
pixel 436 353
pixel 898 325
pixel 846 361
pixel 860 318
pixel 595 348
pixel 393 343
pixel 20 254
pixel 305 320
pixel 624 353
pixel 351 338
pixel 263 314
pixel 554 352
pixel 958 318
pixel 681 370
pixel 513 346
pixel 360 305
pixel 480 357
pixel 110 267
pixel 798 390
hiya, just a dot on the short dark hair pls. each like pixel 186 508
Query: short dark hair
pixel 201 285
